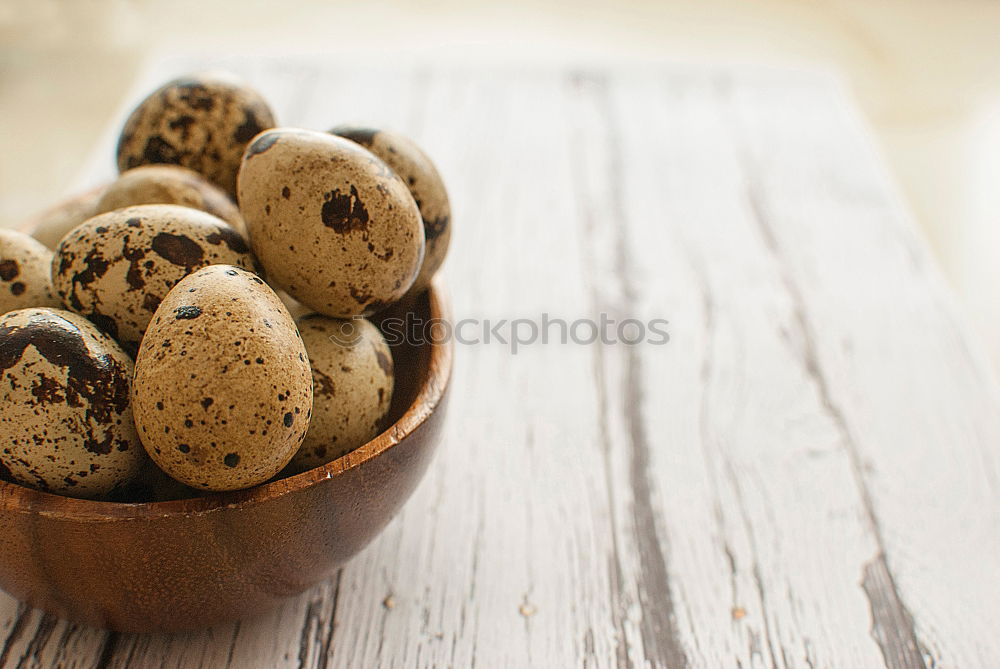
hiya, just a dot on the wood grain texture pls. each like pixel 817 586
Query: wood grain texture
pixel 805 476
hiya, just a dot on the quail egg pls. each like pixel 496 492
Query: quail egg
pixel 223 390
pixel 117 267
pixel 352 387
pixel 169 184
pixel 66 420
pixel 25 279
pixel 203 121
pixel 331 224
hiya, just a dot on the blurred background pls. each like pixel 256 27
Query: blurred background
pixel 926 75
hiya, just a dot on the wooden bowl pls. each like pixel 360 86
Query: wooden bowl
pixel 188 564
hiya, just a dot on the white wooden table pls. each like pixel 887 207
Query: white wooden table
pixel 807 475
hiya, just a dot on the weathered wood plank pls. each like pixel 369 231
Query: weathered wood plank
pixel 806 475
pixel 917 402
pixel 753 497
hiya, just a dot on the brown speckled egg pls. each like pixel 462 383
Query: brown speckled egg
pixel 329 221
pixel 223 391
pixel 352 387
pixel 65 419
pixel 51 225
pixel 203 121
pixel 117 267
pixel 417 171
pixel 25 278
pixel 169 184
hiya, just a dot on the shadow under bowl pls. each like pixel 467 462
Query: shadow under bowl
pixel 188 564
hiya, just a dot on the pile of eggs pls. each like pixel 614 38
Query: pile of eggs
pixel 200 324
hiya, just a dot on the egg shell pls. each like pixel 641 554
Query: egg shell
pixel 329 221
pixel 50 226
pixel 352 387
pixel 25 277
pixel 202 121
pixel 223 390
pixel 421 177
pixel 169 184
pixel 66 420
pixel 117 267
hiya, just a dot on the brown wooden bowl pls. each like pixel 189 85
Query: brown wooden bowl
pixel 186 564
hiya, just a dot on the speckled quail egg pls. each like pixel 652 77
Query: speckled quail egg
pixel 329 221
pixel 117 267
pixel 417 171
pixel 66 420
pixel 25 278
pixel 203 121
pixel 223 390
pixel 169 184
pixel 352 387
pixel 51 225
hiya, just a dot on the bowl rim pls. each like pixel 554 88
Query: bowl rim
pixel 18 498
